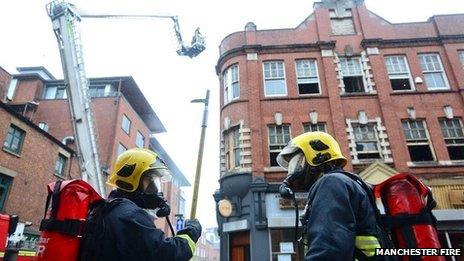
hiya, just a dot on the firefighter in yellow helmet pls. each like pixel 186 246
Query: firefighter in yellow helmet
pixel 339 217
pixel 125 227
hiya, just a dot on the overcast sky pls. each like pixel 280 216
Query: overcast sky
pixel 146 51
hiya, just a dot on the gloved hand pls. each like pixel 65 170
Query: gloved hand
pixel 285 191
pixel 192 228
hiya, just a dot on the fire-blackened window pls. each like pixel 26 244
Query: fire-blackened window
pixel 398 72
pixel 279 136
pixel 353 76
pixel 417 139
pixel 454 137
pixel 308 80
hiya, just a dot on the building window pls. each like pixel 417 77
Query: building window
pixel 11 89
pixel 279 136
pixel 231 84
pixel 461 57
pixel 308 127
pixel 55 92
pixel 140 140
pixel 353 76
pixel 232 148
pixel 5 184
pixel 14 140
pixel 434 74
pixel 307 77
pixel 454 137
pixel 126 124
pixel 366 140
pixel 342 24
pixel 60 165
pixel 181 205
pixel 43 126
pixel 398 72
pixel 283 246
pixel 121 149
pixel 97 91
pixel 274 79
pixel 417 140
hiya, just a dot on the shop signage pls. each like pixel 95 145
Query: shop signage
pixel 286 247
pixel 225 208
pixel 235 226
pixel 301 199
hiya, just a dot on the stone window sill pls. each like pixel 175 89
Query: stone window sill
pixel 274 169
pixel 435 164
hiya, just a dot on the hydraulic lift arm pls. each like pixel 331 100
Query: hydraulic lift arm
pixel 65 19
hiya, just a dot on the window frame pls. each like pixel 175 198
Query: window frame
pixel 457 141
pixel 392 76
pixel 376 139
pixel 319 92
pixel 442 72
pixel 308 125
pixel 419 142
pixel 275 78
pixel 99 87
pixel 236 147
pixel 55 92
pixel 363 74
pixel 120 145
pixel 124 116
pixel 6 187
pixel 232 148
pixel 461 57
pixel 63 160
pixel 228 82
pixel 15 129
pixel 282 145
pixel 139 134
pixel 44 126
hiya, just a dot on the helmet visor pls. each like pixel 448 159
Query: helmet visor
pixel 286 155
pixel 296 163
pixel 153 178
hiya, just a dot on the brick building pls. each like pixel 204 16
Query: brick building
pixel 391 94
pixel 30 159
pixel 124 119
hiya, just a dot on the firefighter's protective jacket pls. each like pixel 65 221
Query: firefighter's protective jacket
pixel 128 233
pixel 340 219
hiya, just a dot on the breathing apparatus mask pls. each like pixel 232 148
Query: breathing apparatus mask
pixel 149 195
pixel 300 175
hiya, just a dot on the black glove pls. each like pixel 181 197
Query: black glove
pixel 192 228
pixel 285 191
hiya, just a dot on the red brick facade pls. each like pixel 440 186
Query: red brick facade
pixel 376 38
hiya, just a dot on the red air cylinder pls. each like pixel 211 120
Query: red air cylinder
pixel 404 195
pixel 72 202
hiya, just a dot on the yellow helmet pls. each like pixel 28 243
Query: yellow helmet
pixel 317 147
pixel 132 164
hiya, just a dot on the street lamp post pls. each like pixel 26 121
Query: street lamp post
pixel 200 153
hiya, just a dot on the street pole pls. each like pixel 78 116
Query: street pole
pixel 200 154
